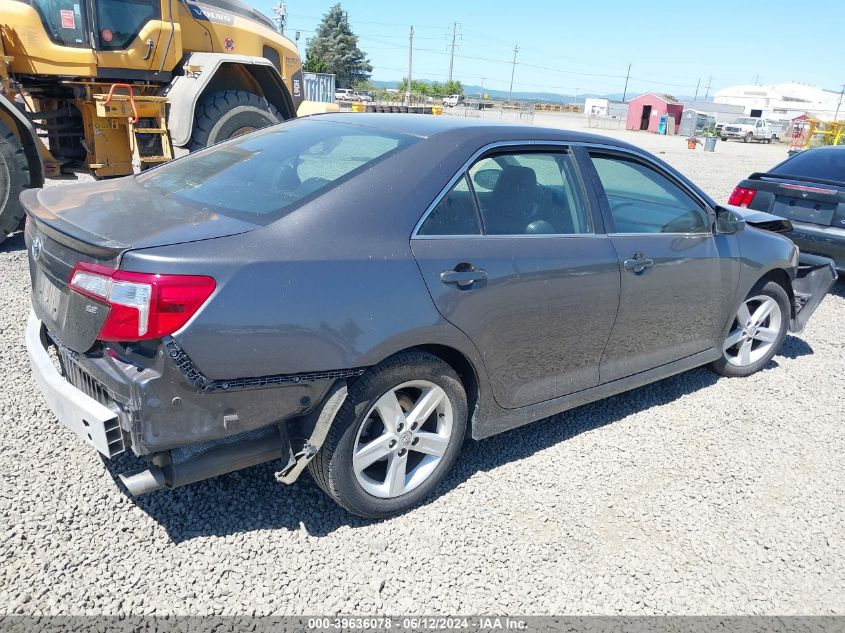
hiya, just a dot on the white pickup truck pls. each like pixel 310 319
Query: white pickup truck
pixel 749 129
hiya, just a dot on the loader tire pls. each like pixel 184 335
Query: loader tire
pixel 229 113
pixel 14 178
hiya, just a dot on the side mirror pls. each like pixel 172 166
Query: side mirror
pixel 728 222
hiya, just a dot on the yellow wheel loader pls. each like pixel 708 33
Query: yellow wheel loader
pixel 117 86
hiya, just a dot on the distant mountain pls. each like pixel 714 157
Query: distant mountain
pixel 472 90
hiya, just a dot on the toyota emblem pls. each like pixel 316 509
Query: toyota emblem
pixel 36 248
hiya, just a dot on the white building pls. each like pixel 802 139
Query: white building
pixel 782 101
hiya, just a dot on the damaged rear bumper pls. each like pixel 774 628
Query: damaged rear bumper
pixel 814 278
pixel 188 430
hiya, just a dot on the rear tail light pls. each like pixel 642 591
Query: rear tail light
pixel 742 197
pixel 141 305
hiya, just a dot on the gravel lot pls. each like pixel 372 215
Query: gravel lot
pixel 695 495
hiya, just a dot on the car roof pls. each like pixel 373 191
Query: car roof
pixel 428 126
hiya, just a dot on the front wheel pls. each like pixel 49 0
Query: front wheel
pixel 757 332
pixel 230 113
pixel 395 437
pixel 749 137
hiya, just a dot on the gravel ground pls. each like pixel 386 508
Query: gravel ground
pixel 695 495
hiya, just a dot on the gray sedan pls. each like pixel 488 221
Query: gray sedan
pixel 355 294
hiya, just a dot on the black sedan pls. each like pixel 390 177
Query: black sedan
pixel 808 188
pixel 357 293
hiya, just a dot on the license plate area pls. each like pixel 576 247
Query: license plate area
pixel 804 210
pixel 50 299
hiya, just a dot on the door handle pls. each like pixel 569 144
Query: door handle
pixel 638 263
pixel 150 46
pixel 463 278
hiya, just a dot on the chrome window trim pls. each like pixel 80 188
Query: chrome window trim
pixel 472 160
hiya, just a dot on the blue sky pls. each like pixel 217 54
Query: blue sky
pixel 587 45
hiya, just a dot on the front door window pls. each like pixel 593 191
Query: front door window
pixel 120 21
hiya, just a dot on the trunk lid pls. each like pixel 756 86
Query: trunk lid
pixel 120 214
pixel 96 223
pixel 812 201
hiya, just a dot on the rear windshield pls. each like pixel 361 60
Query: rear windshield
pixel 260 176
pixel 825 164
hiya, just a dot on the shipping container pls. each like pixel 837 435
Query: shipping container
pixel 318 87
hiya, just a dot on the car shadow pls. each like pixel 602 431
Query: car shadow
pixel 794 347
pixel 250 499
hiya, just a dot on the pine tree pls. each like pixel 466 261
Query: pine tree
pixel 334 49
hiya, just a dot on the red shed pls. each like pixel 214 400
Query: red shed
pixel 644 112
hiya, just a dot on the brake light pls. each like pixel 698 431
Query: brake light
pixel 742 197
pixel 141 305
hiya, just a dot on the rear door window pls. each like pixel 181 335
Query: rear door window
pixel 455 214
pixel 530 193
pixel 260 176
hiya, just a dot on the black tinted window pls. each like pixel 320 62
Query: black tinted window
pixel 826 164
pixel 119 21
pixel 64 21
pixel 259 176
pixel 643 200
pixel 454 214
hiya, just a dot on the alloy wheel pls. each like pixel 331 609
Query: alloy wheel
pixel 402 439
pixel 755 330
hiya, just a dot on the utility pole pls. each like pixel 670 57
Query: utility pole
pixel 707 92
pixel 695 98
pixel 452 48
pixel 410 64
pixel 281 12
pixel 513 70
pixel 481 94
pixel 627 77
pixel 838 105
pixel 757 80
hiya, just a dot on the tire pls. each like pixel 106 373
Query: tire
pixel 724 138
pixel 748 137
pixel 357 487
pixel 14 178
pixel 226 114
pixel 762 338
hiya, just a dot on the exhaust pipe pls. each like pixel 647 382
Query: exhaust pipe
pixel 219 460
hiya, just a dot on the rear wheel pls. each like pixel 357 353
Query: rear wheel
pixel 757 332
pixel 14 178
pixel 230 113
pixel 396 436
